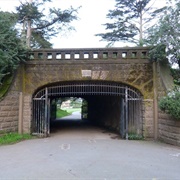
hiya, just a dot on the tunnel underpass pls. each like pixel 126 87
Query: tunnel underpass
pixel 114 106
pixel 100 111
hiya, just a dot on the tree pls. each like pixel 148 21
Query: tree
pixel 12 51
pixel 167 33
pixel 130 20
pixel 38 28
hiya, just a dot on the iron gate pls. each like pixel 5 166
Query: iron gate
pixel 131 119
pixel 41 115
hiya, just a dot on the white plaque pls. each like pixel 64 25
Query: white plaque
pixel 86 73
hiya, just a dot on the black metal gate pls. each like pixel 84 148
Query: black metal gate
pixel 41 115
pixel 131 119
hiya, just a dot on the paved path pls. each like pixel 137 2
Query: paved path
pixel 74 115
pixel 86 152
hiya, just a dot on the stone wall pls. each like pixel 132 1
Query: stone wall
pixel 36 74
pixel 9 108
pixel 135 73
pixel 27 109
pixel 148 125
pixel 169 128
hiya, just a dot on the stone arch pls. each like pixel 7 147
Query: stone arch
pixel 135 88
pixel 127 100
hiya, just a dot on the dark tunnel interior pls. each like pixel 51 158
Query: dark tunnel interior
pixel 102 111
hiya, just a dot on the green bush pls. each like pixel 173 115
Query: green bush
pixel 176 75
pixel 171 104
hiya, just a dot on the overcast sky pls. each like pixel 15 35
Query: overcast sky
pixel 91 15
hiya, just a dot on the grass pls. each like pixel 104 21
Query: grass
pixel 12 138
pixel 62 113
pixel 66 112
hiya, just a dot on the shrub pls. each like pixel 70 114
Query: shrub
pixel 133 136
pixel 171 103
pixel 176 76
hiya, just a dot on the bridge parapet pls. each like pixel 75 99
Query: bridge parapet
pixel 89 54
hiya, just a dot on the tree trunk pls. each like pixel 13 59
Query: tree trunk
pixel 141 30
pixel 28 36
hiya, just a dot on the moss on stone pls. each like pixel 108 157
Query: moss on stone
pixel 5 85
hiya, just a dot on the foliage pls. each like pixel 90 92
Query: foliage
pixel 176 76
pixel 158 53
pixel 76 102
pixel 133 136
pixel 5 85
pixel 11 138
pixel 166 33
pixel 40 27
pixel 171 103
pixel 71 110
pixel 130 19
pixel 12 51
pixel 84 111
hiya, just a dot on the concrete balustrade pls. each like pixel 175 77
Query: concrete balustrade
pixel 89 54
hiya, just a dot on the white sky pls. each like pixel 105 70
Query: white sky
pixel 92 15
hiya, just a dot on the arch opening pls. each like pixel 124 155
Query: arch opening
pixel 109 104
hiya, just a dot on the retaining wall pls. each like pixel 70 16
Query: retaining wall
pixel 9 108
pixel 168 128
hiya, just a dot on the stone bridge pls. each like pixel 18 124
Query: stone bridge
pixel 105 77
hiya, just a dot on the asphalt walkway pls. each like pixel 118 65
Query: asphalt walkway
pixel 83 152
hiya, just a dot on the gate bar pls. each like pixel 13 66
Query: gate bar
pixel 126 111
pixel 46 112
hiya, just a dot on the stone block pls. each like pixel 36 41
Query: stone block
pixel 163 116
pixel 149 132
pixel 169 135
pixel 6 108
pixel 2 103
pixel 169 141
pixel 13 113
pixel 177 123
pixel 5 125
pixel 27 99
pixel 15 108
pixel 26 113
pixel 8 103
pixel 14 124
pixel 1 119
pixel 148 121
pixel 148 114
pixel 8 119
pixel 171 129
pixel 4 114
pixel 167 122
